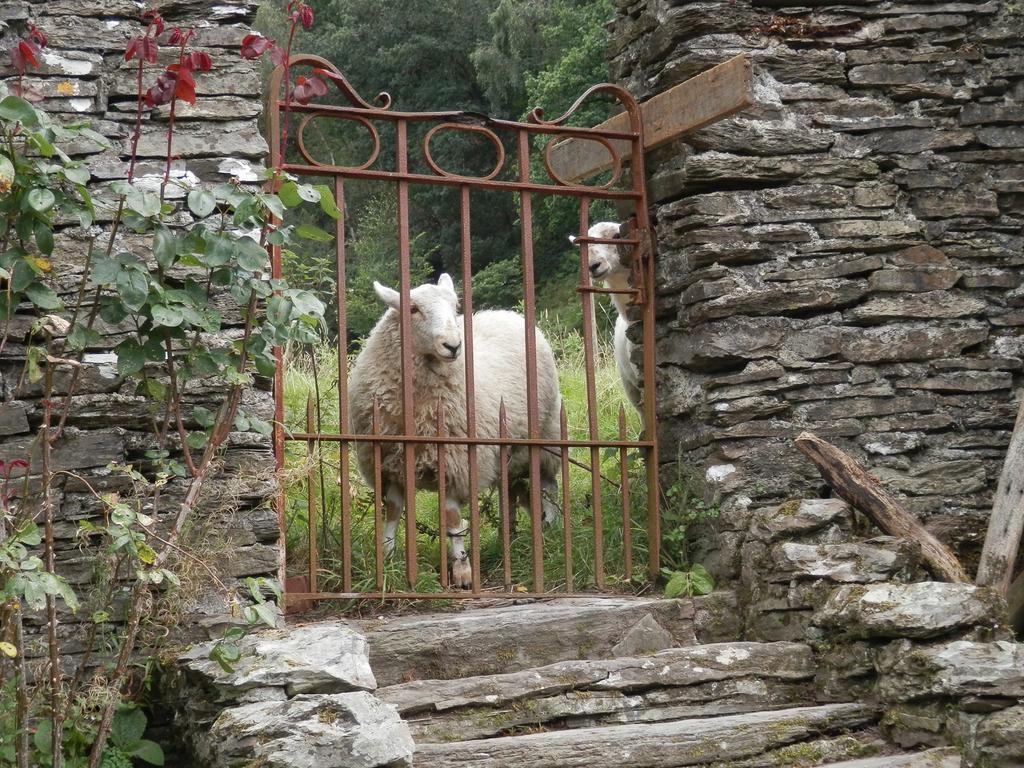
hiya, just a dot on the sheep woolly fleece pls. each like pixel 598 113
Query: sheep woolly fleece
pixel 499 365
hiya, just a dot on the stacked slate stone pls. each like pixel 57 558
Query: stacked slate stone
pixel 844 257
pixel 84 77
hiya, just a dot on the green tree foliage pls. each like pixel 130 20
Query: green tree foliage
pixel 498 57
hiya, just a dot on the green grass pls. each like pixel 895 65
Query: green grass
pixel 304 376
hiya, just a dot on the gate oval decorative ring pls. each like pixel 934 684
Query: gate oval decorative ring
pixel 612 153
pixel 300 140
pixel 498 148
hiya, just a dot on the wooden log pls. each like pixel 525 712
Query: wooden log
pixel 1015 604
pixel 853 483
pixel 712 95
pixel 1006 524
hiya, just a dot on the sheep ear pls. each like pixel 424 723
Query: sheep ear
pixel 624 229
pixel 388 295
pixel 445 281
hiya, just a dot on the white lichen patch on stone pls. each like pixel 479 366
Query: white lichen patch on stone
pixel 718 472
pixel 66 65
pixel 80 105
pixel 732 655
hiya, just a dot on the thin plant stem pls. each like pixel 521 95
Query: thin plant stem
pixel 53 645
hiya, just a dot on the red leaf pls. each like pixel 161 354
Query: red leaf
pixel 153 18
pixel 255 45
pixel 132 48
pixel 143 47
pixel 199 61
pixel 35 34
pixel 162 90
pixel 277 55
pixel 308 88
pixel 28 53
pixel 185 90
pixel 306 15
pixel 17 60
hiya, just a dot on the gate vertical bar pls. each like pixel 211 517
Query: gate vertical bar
pixel 311 490
pixel 592 430
pixel 442 510
pixel 343 447
pixel 627 532
pixel 645 250
pixel 529 310
pixel 563 433
pixel 408 415
pixel 467 335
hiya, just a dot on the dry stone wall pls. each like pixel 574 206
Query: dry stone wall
pixel 84 77
pixel 844 257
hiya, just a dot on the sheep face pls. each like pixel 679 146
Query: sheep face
pixel 605 260
pixel 434 311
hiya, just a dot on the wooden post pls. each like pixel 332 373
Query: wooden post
pixel 712 95
pixel 853 483
pixel 1007 521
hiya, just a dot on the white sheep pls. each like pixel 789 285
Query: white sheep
pixel 439 379
pixel 605 264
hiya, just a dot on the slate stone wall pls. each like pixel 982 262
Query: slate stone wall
pixel 844 257
pixel 84 77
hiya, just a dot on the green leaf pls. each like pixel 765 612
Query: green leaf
pixel 251 256
pixel 14 108
pixel 204 417
pixel 44 237
pixel 81 337
pixel 43 737
pixel 261 427
pixel 309 232
pixel 40 199
pixel 133 288
pixel 327 204
pixel 6 172
pixel 149 751
pixel 43 296
pixel 170 317
pixel 677 585
pixel 197 440
pixel 201 202
pixel 308 193
pixel 104 271
pixel 267 614
pixel 130 357
pixel 289 194
pixel 77 175
pixel 165 247
pixel 702 582
pixel 307 303
pixel 127 728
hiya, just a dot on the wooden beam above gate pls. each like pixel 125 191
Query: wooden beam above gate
pixel 712 95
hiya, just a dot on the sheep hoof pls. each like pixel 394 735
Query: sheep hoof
pixel 462 573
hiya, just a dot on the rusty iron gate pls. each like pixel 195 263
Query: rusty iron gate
pixel 626 187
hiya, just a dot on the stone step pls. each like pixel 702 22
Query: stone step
pixel 697 681
pixel 944 757
pixel 485 641
pixel 696 742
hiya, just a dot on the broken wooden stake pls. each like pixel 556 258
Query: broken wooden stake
pixel 853 483
pixel 1006 524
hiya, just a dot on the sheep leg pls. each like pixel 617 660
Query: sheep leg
pixel 462 571
pixel 550 464
pixel 394 504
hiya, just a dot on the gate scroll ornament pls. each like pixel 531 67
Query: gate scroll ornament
pixel 509 174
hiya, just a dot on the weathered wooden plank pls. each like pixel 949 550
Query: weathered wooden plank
pixel 850 480
pixel 712 95
pixel 1005 526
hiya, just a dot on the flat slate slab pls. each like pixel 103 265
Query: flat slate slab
pixel 957 669
pixel 507 639
pixel 699 681
pixel 655 745
pixel 945 757
pixel 921 610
